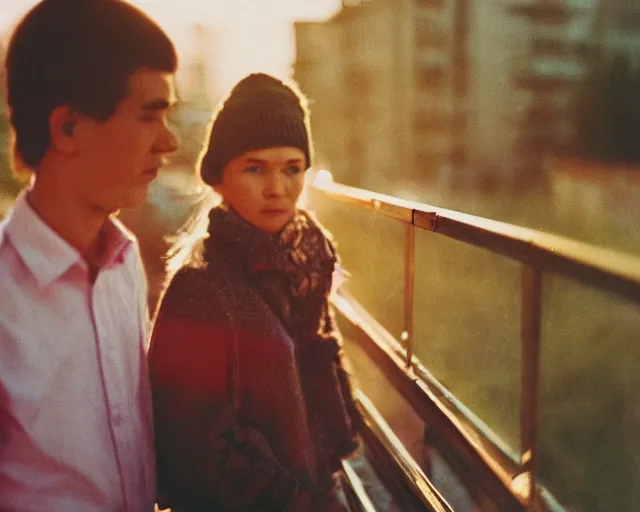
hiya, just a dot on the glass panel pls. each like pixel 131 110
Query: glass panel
pixel 467 328
pixel 371 247
pixel 400 416
pixel 418 437
pixel 590 417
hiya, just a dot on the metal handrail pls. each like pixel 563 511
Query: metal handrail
pixel 428 398
pixel 613 271
pixel 413 474
pixel 357 488
pixel 538 252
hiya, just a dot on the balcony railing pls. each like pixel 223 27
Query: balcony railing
pixel 514 480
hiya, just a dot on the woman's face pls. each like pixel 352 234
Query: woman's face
pixel 263 186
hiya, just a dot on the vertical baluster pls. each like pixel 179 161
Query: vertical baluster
pixel 409 265
pixel 530 377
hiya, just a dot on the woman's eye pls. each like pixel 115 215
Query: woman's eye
pixel 292 170
pixel 253 169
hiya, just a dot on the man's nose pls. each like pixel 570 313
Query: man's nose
pixel 167 141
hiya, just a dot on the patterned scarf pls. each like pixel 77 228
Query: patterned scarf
pixel 291 269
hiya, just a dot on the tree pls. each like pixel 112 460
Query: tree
pixel 9 185
pixel 607 112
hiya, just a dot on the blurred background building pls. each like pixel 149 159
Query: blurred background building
pixel 443 92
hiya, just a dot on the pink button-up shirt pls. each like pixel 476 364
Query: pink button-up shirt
pixel 75 410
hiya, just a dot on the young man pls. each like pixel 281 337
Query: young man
pixel 89 85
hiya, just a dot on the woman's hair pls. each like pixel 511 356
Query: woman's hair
pixel 260 112
pixel 187 244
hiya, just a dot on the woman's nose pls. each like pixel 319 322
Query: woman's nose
pixel 276 185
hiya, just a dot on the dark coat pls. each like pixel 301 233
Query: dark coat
pixel 292 391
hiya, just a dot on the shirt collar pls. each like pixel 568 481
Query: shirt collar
pixel 118 239
pixel 46 254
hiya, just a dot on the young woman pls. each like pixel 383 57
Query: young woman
pixel 253 408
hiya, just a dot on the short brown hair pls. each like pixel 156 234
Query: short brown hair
pixel 79 53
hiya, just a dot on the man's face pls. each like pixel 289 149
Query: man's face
pixel 119 157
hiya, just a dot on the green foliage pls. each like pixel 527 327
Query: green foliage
pixel 9 185
pixel 607 112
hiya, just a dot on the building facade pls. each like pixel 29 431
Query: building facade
pixel 360 70
pixel 452 93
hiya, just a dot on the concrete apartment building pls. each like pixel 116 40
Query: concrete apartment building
pixel 550 61
pixel 452 92
pixel 379 75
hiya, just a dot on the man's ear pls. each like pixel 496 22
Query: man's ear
pixel 62 122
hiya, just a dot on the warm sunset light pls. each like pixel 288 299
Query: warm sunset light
pixel 323 178
pixel 456 245
pixel 239 37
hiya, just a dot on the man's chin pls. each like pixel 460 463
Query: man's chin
pixel 135 200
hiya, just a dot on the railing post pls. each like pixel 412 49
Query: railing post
pixel 530 379
pixel 409 270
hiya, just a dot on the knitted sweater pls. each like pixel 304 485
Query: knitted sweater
pixel 251 331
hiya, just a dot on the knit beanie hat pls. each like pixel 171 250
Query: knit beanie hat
pixel 260 112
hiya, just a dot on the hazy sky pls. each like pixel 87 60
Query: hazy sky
pixel 219 12
pixel 246 35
